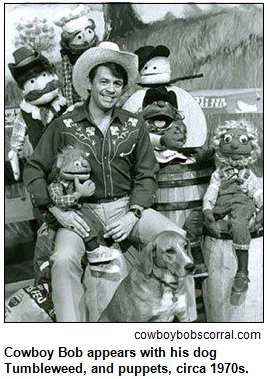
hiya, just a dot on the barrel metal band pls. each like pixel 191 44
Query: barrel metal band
pixel 174 168
pixel 177 206
pixel 183 182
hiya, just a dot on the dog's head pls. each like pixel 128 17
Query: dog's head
pixel 166 258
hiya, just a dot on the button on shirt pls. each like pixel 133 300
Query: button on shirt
pixel 122 160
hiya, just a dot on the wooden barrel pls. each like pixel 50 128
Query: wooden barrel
pixel 181 188
pixel 220 258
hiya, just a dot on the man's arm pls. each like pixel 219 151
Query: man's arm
pixel 37 169
pixel 145 170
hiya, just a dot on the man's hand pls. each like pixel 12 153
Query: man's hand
pixel 85 189
pixel 71 220
pixel 121 229
pixel 174 138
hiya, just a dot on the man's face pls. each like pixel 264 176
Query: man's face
pixel 105 89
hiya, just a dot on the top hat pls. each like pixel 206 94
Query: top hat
pixel 103 53
pixel 28 63
pixel 145 53
pixel 23 56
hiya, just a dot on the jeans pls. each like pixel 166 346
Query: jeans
pixel 68 292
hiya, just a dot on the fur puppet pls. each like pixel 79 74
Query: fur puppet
pixel 78 35
pixel 42 102
pixel 69 183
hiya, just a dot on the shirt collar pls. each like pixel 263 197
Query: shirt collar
pixel 82 113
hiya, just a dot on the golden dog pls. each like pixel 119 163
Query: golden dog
pixel 154 290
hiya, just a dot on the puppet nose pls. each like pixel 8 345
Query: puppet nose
pixel 161 104
pixel 234 144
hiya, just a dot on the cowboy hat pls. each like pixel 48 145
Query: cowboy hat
pixel 105 52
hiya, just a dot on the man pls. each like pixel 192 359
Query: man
pixel 123 171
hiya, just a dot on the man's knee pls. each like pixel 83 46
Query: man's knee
pixel 67 257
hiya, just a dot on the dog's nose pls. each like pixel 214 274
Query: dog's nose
pixel 189 267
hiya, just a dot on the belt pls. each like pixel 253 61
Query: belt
pixel 106 200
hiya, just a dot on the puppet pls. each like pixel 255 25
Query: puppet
pixel 42 102
pixel 165 122
pixel 155 71
pixel 70 180
pixel 234 197
pixel 78 35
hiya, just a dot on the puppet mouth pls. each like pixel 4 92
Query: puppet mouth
pixel 36 94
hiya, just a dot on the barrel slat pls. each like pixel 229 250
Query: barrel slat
pixel 181 188
pixel 221 260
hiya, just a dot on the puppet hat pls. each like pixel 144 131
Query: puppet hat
pixel 103 53
pixel 28 64
pixel 160 94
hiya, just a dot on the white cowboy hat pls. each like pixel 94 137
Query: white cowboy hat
pixel 103 53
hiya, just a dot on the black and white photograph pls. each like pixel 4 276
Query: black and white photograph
pixel 133 162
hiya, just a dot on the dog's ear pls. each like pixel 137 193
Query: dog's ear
pixel 148 253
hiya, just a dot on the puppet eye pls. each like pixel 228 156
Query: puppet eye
pixel 79 37
pixel 243 139
pixel 227 138
pixel 32 81
pixel 89 31
pixel 77 164
pixel 145 67
pixel 44 74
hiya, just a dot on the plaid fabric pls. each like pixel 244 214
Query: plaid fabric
pixel 19 132
pixel 61 194
pixel 67 79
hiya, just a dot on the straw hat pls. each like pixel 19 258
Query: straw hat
pixel 103 53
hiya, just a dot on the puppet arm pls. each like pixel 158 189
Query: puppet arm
pixel 211 194
pixel 16 144
pixel 55 190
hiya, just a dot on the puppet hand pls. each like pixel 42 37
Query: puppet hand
pixel 211 224
pixel 14 160
pixel 85 189
pixel 74 106
pixel 174 138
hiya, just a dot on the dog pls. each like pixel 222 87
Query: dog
pixel 154 290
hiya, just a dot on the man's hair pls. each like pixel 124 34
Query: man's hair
pixel 117 70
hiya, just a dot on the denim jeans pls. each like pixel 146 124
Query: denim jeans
pixel 68 292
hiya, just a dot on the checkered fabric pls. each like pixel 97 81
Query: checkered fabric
pixel 57 192
pixel 19 132
pixel 67 79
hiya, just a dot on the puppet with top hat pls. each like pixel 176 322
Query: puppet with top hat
pixel 42 102
pixel 155 73
pixel 78 35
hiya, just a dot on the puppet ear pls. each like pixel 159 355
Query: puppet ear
pixel 147 258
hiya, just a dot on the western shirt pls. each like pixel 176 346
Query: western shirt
pixel 122 160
